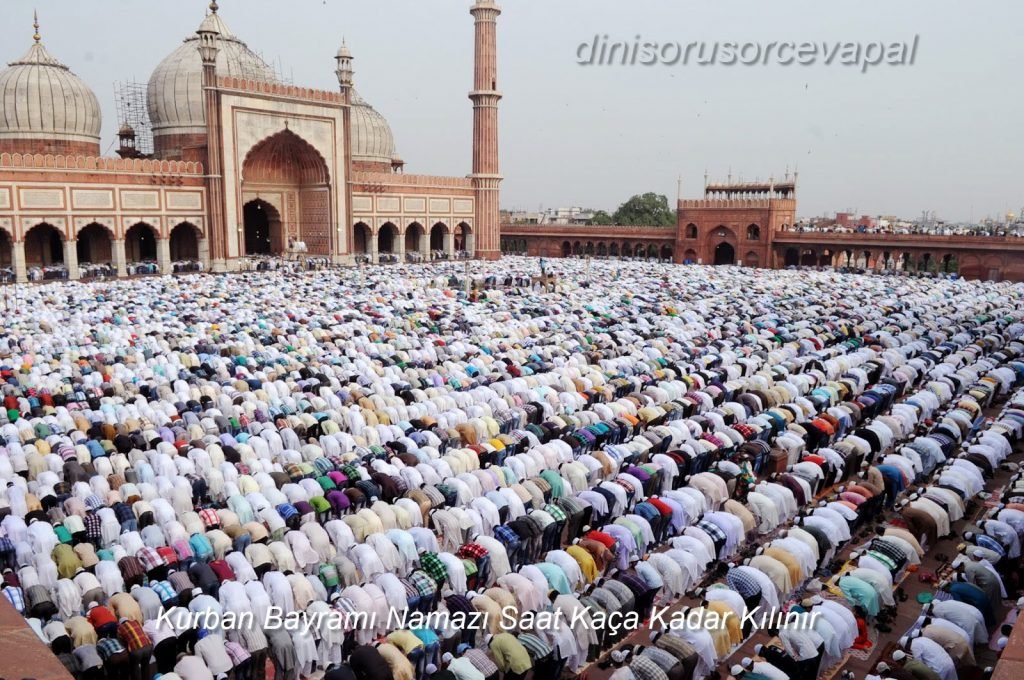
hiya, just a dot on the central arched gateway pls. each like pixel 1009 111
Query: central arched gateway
pixel 725 253
pixel 263 231
pixel 289 172
pixel 724 248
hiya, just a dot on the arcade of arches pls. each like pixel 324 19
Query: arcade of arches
pixel 414 241
pixel 604 249
pixel 882 260
pixel 96 248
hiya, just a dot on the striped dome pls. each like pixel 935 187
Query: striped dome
pixel 40 98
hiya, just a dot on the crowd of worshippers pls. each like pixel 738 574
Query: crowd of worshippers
pixel 968 605
pixel 376 441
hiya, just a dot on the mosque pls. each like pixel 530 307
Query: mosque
pixel 242 165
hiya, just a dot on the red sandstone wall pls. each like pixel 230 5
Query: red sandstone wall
pixel 180 147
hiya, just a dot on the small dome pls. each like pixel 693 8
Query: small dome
pixel 371 135
pixel 126 130
pixel 343 52
pixel 174 95
pixel 41 99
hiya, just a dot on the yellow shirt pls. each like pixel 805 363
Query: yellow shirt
pixel 728 615
pixel 792 565
pixel 401 667
pixel 405 641
pixel 586 562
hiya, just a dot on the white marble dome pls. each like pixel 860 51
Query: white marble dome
pixel 174 95
pixel 372 140
pixel 40 98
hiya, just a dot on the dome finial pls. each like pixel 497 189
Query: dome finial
pixel 35 25
pixel 214 7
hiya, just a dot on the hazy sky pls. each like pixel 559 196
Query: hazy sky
pixel 944 134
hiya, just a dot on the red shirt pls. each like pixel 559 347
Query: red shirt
pixel 167 552
pixel 223 570
pixel 665 510
pixel 100 616
pixel 602 537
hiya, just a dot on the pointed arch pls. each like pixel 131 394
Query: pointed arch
pixel 414 236
pixel 437 235
pixel 94 245
pixel 284 158
pixel 185 242
pixel 44 246
pixel 387 237
pixel 140 243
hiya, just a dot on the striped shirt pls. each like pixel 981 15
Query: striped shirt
pixel 664 660
pixel 252 638
pixel 434 567
pixel 644 668
pixel 537 648
pixel 165 590
pixel 743 583
pixel 425 584
pixel 150 558
pixel 132 635
pixel 16 597
pixel 676 646
pixel 893 552
pixel 481 662
pixel 108 647
pixel 713 530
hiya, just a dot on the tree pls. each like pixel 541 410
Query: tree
pixel 601 217
pixel 648 209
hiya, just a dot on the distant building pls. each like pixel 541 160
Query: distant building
pixel 551 216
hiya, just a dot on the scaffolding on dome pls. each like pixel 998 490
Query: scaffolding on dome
pixel 276 66
pixel 130 98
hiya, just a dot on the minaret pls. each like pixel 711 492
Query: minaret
pixel 216 227
pixel 346 78
pixel 485 96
